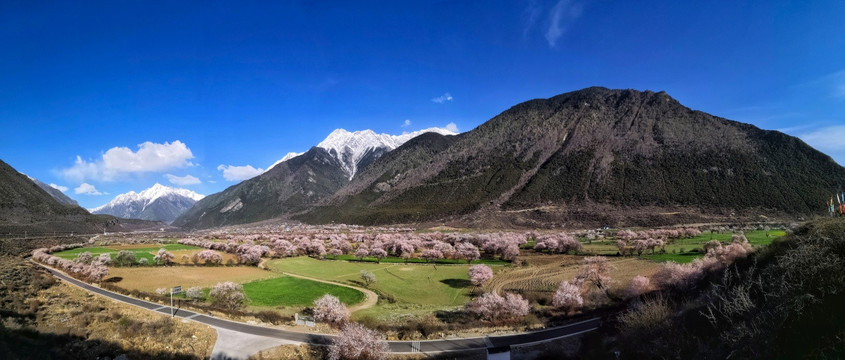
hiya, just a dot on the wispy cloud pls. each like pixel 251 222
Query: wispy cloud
pixel 239 173
pixel 828 140
pixel 87 189
pixel 150 157
pixel 59 187
pixel 831 85
pixel 183 180
pixel 452 127
pixel 530 15
pixel 443 98
pixel 406 123
pixel 561 17
pixel 837 84
pixel 831 138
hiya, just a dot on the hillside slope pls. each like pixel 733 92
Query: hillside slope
pixel 291 186
pixel 26 208
pixel 590 149
pixel 55 193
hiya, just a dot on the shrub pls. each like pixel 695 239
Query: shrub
pixel 164 257
pixel 567 296
pixel 195 293
pixel 124 258
pixel 228 295
pixel 649 315
pixel 638 286
pixel 367 277
pixel 493 307
pixel 357 342
pixel 271 317
pixel 480 274
pixel 329 309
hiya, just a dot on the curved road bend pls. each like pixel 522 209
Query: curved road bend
pixel 425 346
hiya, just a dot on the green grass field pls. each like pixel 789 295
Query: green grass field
pixel 681 250
pixel 291 291
pixel 140 252
pixel 447 285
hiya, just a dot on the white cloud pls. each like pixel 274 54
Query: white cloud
pixel 406 123
pixel 829 141
pixel 826 139
pixel 239 173
pixel 183 180
pixel 87 189
pixel 452 127
pixel 443 98
pixel 150 157
pixel 563 14
pixel 59 187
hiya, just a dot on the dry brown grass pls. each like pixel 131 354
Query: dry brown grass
pixel 545 272
pixel 151 278
pixel 68 309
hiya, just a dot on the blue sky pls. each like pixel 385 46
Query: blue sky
pixel 121 95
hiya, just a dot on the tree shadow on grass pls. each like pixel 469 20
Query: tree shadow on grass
pixel 457 283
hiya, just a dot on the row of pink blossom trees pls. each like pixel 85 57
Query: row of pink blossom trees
pixel 718 256
pixel 94 271
pixel 430 247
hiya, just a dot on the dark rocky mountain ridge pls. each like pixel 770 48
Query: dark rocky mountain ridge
pixel 291 186
pixel 593 148
pixel 26 208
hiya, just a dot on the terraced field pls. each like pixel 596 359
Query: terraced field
pixel 545 272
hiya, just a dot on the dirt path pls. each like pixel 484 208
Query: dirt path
pixel 370 298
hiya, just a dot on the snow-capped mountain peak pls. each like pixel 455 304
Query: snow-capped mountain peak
pixel 144 205
pixel 351 147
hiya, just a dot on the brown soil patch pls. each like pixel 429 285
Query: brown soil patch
pixel 151 278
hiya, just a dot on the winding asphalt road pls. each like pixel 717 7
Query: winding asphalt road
pixel 491 343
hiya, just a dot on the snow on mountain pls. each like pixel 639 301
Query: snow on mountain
pixel 353 147
pixel 287 157
pixel 159 202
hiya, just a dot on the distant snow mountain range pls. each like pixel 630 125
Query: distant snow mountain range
pixel 354 149
pixel 158 203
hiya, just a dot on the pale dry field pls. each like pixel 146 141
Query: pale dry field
pixel 151 278
pixel 545 272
